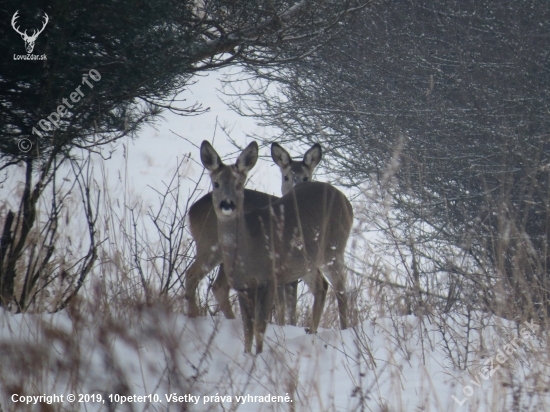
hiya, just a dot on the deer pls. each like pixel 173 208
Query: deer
pixel 204 231
pixel 29 40
pixel 301 235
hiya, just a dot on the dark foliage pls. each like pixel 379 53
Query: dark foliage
pixel 460 89
pixel 145 52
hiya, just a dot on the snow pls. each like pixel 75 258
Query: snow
pixel 154 352
pixel 163 354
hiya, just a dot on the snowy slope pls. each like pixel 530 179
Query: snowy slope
pixel 167 356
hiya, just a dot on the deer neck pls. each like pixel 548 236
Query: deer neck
pixel 229 234
pixel 233 240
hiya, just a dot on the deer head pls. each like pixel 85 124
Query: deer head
pixel 29 40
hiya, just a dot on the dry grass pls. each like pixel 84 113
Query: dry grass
pixel 132 303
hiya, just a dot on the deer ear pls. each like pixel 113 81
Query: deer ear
pixel 209 157
pixel 280 156
pixel 313 156
pixel 247 159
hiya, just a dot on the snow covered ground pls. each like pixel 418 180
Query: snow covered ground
pixel 158 360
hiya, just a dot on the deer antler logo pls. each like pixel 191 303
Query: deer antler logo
pixel 29 40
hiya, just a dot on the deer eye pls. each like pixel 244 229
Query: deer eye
pixel 286 178
pixel 305 179
pixel 216 184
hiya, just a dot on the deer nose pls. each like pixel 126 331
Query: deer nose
pixel 227 207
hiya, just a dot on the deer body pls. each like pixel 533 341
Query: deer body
pixel 300 235
pixel 289 239
pixel 203 225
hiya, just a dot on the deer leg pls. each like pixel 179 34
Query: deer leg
pixel 221 288
pixel 196 272
pixel 337 277
pixel 291 294
pixel 319 289
pixel 280 305
pixel 264 304
pixel 247 304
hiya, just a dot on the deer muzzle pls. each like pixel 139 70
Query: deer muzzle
pixel 226 207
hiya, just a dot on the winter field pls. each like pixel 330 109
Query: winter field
pixel 154 359
pixel 125 343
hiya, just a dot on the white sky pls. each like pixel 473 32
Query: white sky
pixel 153 156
